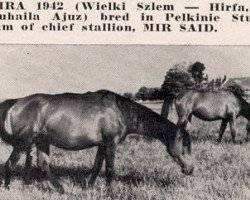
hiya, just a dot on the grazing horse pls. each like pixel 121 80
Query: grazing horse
pixel 209 106
pixel 79 121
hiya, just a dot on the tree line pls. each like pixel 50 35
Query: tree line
pixel 184 77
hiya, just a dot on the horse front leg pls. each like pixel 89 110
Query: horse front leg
pixel 248 131
pixel 183 121
pixel 182 124
pixel 222 129
pixel 28 163
pixel 168 101
pixel 10 164
pixel 187 147
pixel 43 152
pixel 110 158
pixel 100 155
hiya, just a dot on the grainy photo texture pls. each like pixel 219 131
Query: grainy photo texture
pixel 124 122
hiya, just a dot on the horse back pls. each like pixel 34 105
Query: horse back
pixel 71 120
pixel 208 105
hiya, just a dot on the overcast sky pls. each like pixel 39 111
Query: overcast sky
pixel 28 69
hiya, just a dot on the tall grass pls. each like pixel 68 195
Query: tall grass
pixel 145 171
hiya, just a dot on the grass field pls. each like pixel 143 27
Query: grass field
pixel 145 171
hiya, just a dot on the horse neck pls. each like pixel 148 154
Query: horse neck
pixel 143 121
pixel 245 109
pixel 151 126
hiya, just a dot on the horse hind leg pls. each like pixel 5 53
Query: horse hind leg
pixel 100 155
pixel 43 152
pixel 10 164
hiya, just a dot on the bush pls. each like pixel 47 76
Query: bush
pixel 145 93
pixel 189 77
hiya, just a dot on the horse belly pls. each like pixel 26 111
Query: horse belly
pixel 74 132
pixel 209 113
pixel 73 142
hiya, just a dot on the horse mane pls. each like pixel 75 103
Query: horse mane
pixel 238 94
pixel 130 107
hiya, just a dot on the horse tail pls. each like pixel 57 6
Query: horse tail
pixel 4 109
pixel 168 102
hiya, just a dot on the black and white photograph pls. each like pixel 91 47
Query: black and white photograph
pixel 146 122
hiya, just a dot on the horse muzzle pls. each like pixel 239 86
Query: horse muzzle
pixel 188 170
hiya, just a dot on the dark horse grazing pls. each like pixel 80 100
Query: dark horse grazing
pixel 79 121
pixel 218 105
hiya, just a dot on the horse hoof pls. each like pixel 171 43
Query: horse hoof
pixel 1 182
pixel 241 142
pixel 7 187
pixel 90 183
pixel 188 170
pixel 186 151
pixel 27 181
pixel 61 191
pixel 237 142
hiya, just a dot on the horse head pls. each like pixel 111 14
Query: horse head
pixel 179 144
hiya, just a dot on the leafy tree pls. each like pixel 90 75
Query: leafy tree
pixel 177 79
pixel 141 94
pixel 197 70
pixel 157 94
pixel 184 77
pixel 145 93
